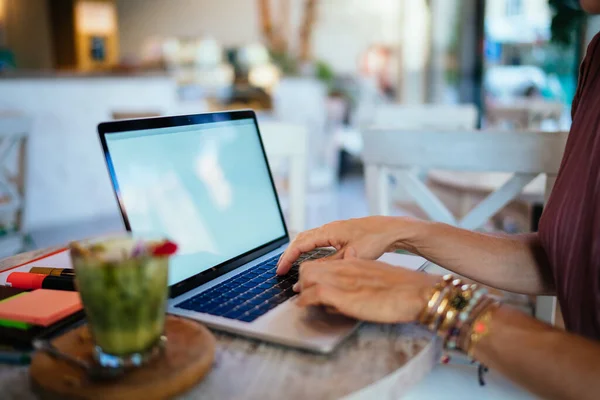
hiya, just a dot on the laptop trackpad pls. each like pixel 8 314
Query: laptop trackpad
pixel 319 319
pixel 311 324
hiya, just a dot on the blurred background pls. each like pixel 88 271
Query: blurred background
pixel 317 71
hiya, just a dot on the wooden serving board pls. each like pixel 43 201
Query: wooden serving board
pixel 188 357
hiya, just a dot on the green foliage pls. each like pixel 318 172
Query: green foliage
pixel 452 76
pixel 290 66
pixel 566 22
pixel 324 73
pixel 287 63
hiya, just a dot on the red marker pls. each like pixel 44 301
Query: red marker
pixel 29 281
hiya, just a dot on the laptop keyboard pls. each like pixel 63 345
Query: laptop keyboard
pixel 252 293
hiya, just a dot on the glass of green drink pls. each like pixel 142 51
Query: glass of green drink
pixel 123 286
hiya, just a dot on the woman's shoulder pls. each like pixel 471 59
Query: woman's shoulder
pixel 591 62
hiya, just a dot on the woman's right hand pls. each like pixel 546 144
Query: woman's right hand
pixel 366 238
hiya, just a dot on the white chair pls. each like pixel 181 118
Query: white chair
pixel 526 114
pixel 523 154
pixel 368 99
pixel 14 133
pixel 422 117
pixel 289 142
pixel 425 116
pixel 303 101
pixel 414 116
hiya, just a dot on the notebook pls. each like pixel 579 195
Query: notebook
pixel 21 339
pixel 6 293
pixel 41 307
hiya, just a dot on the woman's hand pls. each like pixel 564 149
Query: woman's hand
pixel 366 290
pixel 367 238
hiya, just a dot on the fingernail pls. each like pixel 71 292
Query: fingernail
pixel 296 287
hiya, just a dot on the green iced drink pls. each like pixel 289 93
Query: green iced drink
pixel 123 287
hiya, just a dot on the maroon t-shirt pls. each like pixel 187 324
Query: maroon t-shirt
pixel 570 225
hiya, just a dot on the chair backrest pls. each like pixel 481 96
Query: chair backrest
pixel 524 114
pixel 524 154
pixel 303 101
pixel 14 132
pixel 289 142
pixel 422 117
pixel 425 116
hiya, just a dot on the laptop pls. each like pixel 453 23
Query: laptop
pixel 204 182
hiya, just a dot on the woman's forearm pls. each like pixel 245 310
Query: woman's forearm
pixel 514 263
pixel 548 362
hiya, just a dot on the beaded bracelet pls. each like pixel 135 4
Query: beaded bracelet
pixel 451 336
pixel 447 306
pixel 454 309
pixel 461 315
pixel 459 302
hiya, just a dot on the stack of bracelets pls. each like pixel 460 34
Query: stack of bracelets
pixel 460 314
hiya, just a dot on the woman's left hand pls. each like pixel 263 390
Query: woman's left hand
pixel 366 290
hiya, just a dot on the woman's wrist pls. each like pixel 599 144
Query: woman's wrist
pixel 408 232
pixel 423 295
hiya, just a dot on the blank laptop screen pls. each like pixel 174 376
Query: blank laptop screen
pixel 205 186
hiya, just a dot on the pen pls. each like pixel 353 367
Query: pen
pixel 29 281
pixel 53 271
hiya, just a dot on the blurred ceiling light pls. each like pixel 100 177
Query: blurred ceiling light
pixel 264 76
pixel 254 54
pixel 95 18
pixel 2 11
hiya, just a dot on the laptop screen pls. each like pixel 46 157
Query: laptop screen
pixel 205 186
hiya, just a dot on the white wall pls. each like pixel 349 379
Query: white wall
pixel 344 28
pixel 232 22
pixel 67 181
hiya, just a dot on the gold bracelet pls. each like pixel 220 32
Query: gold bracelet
pixel 445 304
pixel 481 327
pixel 465 329
pixel 439 313
pixel 440 290
pixel 448 322
pixel 458 303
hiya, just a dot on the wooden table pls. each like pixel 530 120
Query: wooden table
pixel 378 361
